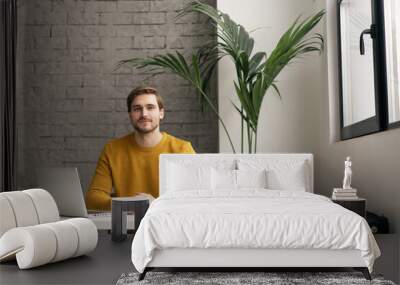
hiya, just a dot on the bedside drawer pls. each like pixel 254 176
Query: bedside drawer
pixel 357 206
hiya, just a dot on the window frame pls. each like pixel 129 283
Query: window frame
pixel 379 122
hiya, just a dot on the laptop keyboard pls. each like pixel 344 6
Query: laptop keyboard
pixel 100 214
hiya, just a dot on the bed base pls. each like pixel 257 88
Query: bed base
pixel 363 270
pixel 241 259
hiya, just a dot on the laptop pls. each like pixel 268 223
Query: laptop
pixel 64 185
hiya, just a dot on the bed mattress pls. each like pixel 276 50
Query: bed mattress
pixel 250 219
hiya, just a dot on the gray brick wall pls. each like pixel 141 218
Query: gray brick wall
pixel 71 100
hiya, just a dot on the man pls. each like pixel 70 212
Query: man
pixel 130 163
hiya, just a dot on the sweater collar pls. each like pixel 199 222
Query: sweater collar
pixel 149 149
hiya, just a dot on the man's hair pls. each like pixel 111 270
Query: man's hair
pixel 142 90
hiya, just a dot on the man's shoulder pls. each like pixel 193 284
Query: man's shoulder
pixel 177 144
pixel 176 140
pixel 118 142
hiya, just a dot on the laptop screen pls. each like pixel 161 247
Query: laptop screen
pixel 64 185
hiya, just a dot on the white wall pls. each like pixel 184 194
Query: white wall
pixel 287 124
pixel 376 157
pixel 306 119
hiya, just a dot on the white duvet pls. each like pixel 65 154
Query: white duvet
pixel 251 218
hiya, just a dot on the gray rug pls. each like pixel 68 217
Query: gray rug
pixel 270 278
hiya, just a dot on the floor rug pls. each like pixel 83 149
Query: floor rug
pixel 244 278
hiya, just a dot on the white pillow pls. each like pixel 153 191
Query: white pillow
pixel 182 177
pixel 282 174
pixel 293 178
pixel 223 179
pixel 251 178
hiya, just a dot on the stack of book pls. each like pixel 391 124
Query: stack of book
pixel 344 194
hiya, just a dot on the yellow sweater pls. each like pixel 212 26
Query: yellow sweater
pixel 130 169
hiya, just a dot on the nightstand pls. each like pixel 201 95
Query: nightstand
pixel 119 208
pixel 358 205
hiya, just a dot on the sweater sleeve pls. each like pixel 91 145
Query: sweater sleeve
pixel 98 196
pixel 187 148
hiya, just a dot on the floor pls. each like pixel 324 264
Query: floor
pixel 110 259
pixel 102 266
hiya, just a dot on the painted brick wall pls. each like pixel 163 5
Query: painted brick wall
pixel 71 100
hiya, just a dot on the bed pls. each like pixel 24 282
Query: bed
pixel 245 211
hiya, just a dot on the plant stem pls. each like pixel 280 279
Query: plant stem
pixel 255 141
pixel 219 118
pixel 241 131
pixel 248 137
pixel 251 141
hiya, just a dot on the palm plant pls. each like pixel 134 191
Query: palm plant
pixel 198 73
pixel 255 72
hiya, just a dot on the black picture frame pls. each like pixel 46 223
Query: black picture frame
pixel 378 122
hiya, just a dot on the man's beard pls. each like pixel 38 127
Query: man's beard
pixel 144 131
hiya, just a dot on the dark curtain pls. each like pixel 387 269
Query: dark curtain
pixel 8 41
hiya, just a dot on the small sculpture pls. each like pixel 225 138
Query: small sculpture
pixel 347 174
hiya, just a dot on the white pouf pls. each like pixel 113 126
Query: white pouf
pixel 45 205
pixel 7 220
pixel 31 232
pixel 37 245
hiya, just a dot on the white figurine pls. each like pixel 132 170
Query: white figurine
pixel 347 174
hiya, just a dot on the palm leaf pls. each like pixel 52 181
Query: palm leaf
pixel 255 72
pixel 233 37
pixel 276 89
pixel 244 116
